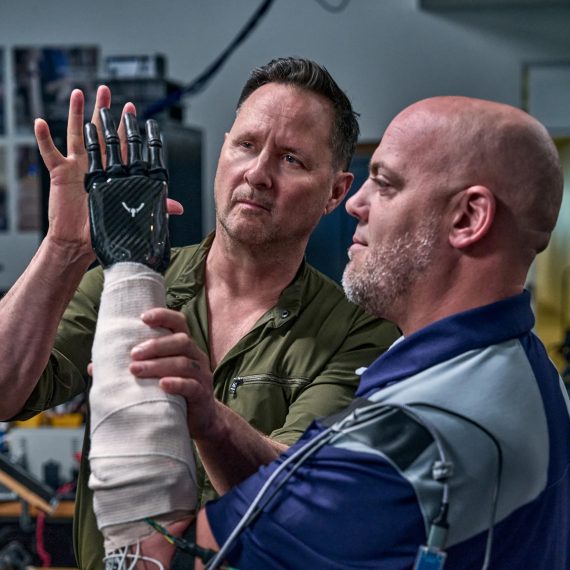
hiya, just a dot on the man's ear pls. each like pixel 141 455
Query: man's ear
pixel 473 214
pixel 340 188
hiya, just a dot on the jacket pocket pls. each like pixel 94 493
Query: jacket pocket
pixel 264 399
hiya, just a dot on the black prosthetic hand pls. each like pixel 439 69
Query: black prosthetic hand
pixel 127 203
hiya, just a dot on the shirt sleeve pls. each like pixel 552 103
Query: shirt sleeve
pixel 66 373
pixel 341 509
pixel 334 387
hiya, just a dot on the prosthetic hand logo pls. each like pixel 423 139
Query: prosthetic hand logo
pixel 133 211
pixel 138 188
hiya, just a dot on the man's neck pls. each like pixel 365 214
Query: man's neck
pixel 241 286
pixel 429 303
pixel 252 270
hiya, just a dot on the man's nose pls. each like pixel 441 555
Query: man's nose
pixel 357 204
pixel 258 172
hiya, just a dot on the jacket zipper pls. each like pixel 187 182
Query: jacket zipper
pixel 234 386
pixel 239 380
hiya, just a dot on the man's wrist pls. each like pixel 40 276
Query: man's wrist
pixel 68 253
pixel 217 429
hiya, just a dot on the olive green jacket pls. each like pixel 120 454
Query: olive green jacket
pixel 297 363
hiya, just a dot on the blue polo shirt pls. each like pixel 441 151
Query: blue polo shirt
pixel 479 385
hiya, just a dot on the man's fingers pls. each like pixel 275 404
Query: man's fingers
pixel 176 386
pixel 130 109
pixel 48 151
pixel 75 123
pixel 172 366
pixel 177 344
pixel 166 318
pixel 174 208
pixel 102 100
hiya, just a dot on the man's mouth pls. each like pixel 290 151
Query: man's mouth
pixel 357 245
pixel 359 241
pixel 253 205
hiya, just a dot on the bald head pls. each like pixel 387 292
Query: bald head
pixel 472 142
pixel 461 192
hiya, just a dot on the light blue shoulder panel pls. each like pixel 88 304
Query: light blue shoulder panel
pixel 496 388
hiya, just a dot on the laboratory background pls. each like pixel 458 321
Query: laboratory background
pixel 184 62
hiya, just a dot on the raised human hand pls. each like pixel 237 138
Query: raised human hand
pixel 127 201
pixel 67 212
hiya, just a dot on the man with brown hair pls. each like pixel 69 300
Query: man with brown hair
pixel 273 340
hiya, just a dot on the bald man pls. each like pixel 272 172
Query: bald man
pixel 457 448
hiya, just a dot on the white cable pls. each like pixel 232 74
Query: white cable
pixel 123 555
pixel 244 521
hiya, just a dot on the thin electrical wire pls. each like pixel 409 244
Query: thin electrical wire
pixel 496 490
pixel 216 561
pixel 204 78
pixel 366 415
pixel 359 417
pixel 43 554
pixel 120 558
pixel 427 425
pixel 161 530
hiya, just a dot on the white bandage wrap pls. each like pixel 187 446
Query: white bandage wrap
pixel 142 462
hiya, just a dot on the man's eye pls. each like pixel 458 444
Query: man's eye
pixel 291 159
pixel 246 144
pixel 381 182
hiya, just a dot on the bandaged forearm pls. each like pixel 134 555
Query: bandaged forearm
pixel 141 457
